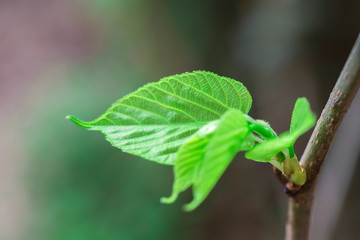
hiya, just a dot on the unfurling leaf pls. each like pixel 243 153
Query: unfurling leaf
pixel 301 121
pixel 154 121
pixel 302 118
pixel 189 158
pixel 266 151
pixel 202 160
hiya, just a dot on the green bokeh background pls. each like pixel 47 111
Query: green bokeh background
pixel 60 182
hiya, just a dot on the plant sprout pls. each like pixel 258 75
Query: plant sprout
pixel 198 122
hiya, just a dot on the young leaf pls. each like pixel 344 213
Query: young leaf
pixel 223 146
pixel 189 158
pixel 266 151
pixel 302 120
pixel 202 160
pixel 154 121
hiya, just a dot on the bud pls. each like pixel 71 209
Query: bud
pixel 294 172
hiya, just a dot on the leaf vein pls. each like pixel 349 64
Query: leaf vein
pixel 166 106
pixel 194 103
pixel 213 98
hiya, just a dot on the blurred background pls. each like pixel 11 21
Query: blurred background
pixel 65 57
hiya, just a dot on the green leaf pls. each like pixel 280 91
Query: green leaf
pixel 154 121
pixel 266 151
pixel 248 143
pixel 202 160
pixel 222 148
pixel 302 120
pixel 189 158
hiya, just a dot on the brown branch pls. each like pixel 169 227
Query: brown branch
pixel 300 203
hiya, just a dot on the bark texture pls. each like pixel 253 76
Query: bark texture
pixel 300 202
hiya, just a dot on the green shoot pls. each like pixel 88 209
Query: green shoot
pixel 198 122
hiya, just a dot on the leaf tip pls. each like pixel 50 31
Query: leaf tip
pixel 169 200
pixel 78 122
pixel 190 206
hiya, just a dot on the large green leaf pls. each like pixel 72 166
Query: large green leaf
pixel 154 121
pixel 301 121
pixel 202 160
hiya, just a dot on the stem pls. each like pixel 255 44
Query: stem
pixel 291 152
pixel 299 211
pixel 264 131
pixel 277 164
pixel 300 203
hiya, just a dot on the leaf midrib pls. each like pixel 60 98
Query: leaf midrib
pixel 156 125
